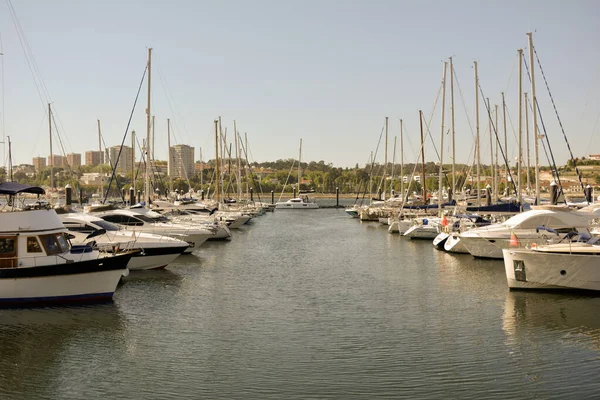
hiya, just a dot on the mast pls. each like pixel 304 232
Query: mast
pixel 453 144
pixel 496 166
pixel 299 161
pixel 535 134
pixel 527 135
pixel 217 160
pixel 147 172
pixel 422 158
pixel 100 156
pixel 133 160
pixel 51 157
pixel 221 149
pixel 245 166
pixel 201 170
pixel 170 160
pixel 401 161
pixel 10 168
pixel 519 161
pixel 385 156
pixel 477 149
pixel 153 138
pixel 440 188
pixel 237 156
pixel 507 164
pixel 491 146
pixel 393 163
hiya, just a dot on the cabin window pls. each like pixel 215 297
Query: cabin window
pixel 8 252
pixel 62 242
pixel 8 246
pixel 50 244
pixel 33 246
pixel 123 220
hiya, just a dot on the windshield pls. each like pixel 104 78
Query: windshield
pixel 108 226
pixel 153 220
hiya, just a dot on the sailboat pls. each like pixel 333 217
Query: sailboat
pixel 300 202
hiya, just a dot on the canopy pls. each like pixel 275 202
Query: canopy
pixel 13 188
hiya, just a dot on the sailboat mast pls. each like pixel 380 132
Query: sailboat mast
pixel 385 156
pixel 453 143
pixel 153 138
pixel 147 172
pixel 401 161
pixel 222 150
pixel 507 164
pixel 422 158
pixel 393 163
pixel 51 156
pixel 440 188
pixel 491 147
pixel 527 144
pixel 299 161
pixel 519 160
pixel 100 157
pixel 237 156
pixel 477 149
pixel 496 166
pixel 201 170
pixel 133 160
pixel 217 160
pixel 535 134
pixel 170 159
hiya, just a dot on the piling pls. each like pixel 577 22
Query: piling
pixel 294 195
pixel 139 196
pixel 588 194
pixel 202 194
pixel 553 193
pixel 251 194
pixel 68 195
pixel 488 195
pixel 450 195
pixel 272 197
pixel 131 196
pixel 337 197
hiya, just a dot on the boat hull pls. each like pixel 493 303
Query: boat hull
pixel 79 282
pixel 528 269
pixel 454 245
pixel 440 240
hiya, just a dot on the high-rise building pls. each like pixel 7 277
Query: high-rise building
pixel 57 161
pixel 124 165
pixel 74 160
pixel 181 161
pixel 39 163
pixel 94 158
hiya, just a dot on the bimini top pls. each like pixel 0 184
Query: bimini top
pixel 13 188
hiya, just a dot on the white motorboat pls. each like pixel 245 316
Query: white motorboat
pixel 186 217
pixel 488 241
pixel 144 220
pixel 38 264
pixel 297 203
pixel 449 239
pixel 156 251
pixel 570 265
pixel 424 228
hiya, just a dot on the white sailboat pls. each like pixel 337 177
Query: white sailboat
pixel 300 202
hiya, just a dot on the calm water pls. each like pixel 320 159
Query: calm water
pixel 309 304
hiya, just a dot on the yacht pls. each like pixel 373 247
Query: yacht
pixel 144 220
pixel 297 203
pixel 565 265
pixel 424 228
pixel 156 251
pixel 488 241
pixel 38 264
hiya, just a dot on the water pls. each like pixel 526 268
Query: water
pixel 309 304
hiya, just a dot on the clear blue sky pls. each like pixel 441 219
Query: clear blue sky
pixel 326 71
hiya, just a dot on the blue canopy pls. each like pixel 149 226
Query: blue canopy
pixel 13 188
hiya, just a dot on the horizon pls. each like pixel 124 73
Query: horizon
pixel 326 72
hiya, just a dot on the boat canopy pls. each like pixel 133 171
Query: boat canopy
pixel 14 188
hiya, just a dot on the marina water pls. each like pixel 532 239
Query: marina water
pixel 309 304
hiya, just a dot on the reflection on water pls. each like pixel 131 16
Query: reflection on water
pixel 35 342
pixel 308 305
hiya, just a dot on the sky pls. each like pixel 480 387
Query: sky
pixel 327 72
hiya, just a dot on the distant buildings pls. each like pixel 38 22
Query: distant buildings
pixel 39 163
pixel 181 161
pixel 57 161
pixel 74 160
pixel 94 158
pixel 125 159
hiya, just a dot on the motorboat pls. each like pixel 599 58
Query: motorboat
pixel 565 265
pixel 156 251
pixel 144 220
pixel 38 264
pixel 488 241
pixel 424 228
pixel 297 203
